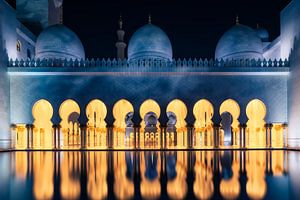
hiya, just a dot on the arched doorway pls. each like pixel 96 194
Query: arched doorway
pixel 203 134
pixel 69 113
pixel 123 125
pixel 149 132
pixel 42 113
pixel 230 112
pixel 256 133
pixel 179 109
pixel 96 126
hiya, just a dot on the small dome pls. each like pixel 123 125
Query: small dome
pixel 263 34
pixel 150 42
pixel 239 42
pixel 59 42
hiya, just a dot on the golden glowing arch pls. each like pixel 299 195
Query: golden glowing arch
pixel 149 106
pixel 203 112
pixel 68 107
pixel 42 113
pixel 256 110
pixel 232 107
pixel 179 108
pixel 120 110
pixel 96 109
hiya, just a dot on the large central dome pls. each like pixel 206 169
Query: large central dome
pixel 239 42
pixel 58 41
pixel 150 42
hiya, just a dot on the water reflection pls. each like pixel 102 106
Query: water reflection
pixel 149 174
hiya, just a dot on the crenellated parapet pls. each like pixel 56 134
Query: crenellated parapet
pixel 185 63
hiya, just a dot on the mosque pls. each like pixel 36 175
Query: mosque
pixel 53 96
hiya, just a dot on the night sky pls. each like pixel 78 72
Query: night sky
pixel 193 26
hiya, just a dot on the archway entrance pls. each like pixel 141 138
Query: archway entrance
pixel 150 132
pixel 96 126
pixel 176 112
pixel 256 133
pixel 69 113
pixel 230 112
pixel 123 126
pixel 42 113
pixel 203 134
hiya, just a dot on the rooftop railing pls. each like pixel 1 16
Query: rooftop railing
pixel 191 63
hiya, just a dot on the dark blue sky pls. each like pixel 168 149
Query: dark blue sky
pixel 194 26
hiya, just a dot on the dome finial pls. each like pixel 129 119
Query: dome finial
pixel 257 25
pixel 149 18
pixel 61 13
pixel 237 20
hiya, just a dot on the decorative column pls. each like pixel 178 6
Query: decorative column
pixel 13 130
pixel 29 128
pixel 83 136
pixel 216 135
pixel 285 135
pixel 243 135
pixel 268 135
pixel 110 133
pixel 190 130
pixel 58 136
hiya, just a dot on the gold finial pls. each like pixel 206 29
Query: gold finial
pixel 149 19
pixel 257 25
pixel 237 20
pixel 120 22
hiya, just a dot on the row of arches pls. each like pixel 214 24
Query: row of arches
pixel 149 135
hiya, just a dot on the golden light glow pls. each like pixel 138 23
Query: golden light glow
pixel 277 136
pixel 21 138
pixel 277 163
pixel 69 112
pixel 256 133
pixel 150 188
pixel 21 164
pixel 97 175
pixel 123 186
pixel 203 135
pixel 42 113
pixel 43 173
pixel 149 140
pixel 232 107
pixel 203 185
pixel 177 188
pixel 70 166
pixel 256 186
pixel 179 108
pixel 96 136
pixel 120 110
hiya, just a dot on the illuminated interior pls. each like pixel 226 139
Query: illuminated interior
pixel 42 137
pixel 150 131
pixel 123 126
pixel 232 107
pixel 96 132
pixel 256 132
pixel 69 113
pixel 203 134
pixel 180 110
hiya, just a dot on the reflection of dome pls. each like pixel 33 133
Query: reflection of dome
pixel 263 34
pixel 149 42
pixel 240 42
pixel 58 41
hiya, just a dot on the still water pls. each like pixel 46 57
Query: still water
pixel 150 175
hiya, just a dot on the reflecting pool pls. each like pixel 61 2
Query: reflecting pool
pixel 253 174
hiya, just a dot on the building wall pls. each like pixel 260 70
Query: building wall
pixel 290 35
pixel 26 90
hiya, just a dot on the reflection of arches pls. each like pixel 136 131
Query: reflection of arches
pixel 232 107
pixel 69 113
pixel 203 112
pixel 96 126
pixel 121 113
pixel 42 113
pixel 150 137
pixel 180 110
pixel 255 134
